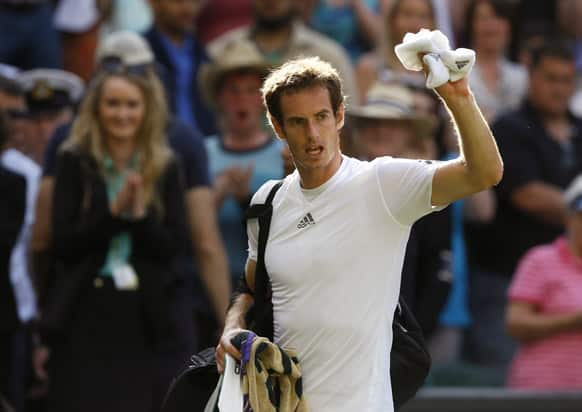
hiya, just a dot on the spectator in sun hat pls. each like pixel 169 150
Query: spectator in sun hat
pixel 387 124
pixel 51 96
pixel 128 51
pixel 545 307
pixel 244 154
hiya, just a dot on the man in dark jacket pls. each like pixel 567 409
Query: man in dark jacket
pixel 12 208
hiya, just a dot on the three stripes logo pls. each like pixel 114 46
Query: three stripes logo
pixel 306 221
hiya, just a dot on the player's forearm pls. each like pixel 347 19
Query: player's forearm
pixel 235 318
pixel 477 145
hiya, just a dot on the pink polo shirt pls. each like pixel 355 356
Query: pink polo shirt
pixel 550 277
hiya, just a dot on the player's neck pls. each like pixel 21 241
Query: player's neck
pixel 313 177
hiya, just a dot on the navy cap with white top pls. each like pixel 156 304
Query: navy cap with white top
pixel 50 90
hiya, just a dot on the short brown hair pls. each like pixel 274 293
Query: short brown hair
pixel 297 75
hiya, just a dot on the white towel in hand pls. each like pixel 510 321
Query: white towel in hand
pixel 443 63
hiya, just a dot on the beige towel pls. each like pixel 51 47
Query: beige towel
pixel 273 379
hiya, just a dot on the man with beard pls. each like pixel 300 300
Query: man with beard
pixel 279 36
pixel 180 54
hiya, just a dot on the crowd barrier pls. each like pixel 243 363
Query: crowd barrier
pixel 493 400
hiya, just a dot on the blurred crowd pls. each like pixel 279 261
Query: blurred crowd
pixel 133 135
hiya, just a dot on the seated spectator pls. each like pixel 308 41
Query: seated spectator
pixel 498 84
pixel 545 308
pixel 13 342
pixel 382 64
pixel 180 53
pixel 280 36
pixel 245 154
pixel 541 144
pixel 51 97
pixel 29 38
pixel 115 316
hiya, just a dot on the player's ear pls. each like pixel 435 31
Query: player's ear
pixel 340 117
pixel 277 127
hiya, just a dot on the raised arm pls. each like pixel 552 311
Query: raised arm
pixel 479 165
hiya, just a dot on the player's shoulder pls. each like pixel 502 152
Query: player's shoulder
pixel 262 192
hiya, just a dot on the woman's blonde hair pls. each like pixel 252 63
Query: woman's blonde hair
pixel 152 152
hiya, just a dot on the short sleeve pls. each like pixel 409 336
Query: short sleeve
pixel 406 187
pixel 530 280
pixel 49 166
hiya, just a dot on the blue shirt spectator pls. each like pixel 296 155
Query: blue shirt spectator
pixel 181 58
pixel 341 24
pixel 266 163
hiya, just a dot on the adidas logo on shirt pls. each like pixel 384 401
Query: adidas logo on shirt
pixel 306 221
pixel 461 63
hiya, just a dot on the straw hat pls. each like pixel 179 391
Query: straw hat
pixel 386 101
pixel 236 55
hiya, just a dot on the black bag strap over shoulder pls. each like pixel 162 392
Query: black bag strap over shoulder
pixel 262 312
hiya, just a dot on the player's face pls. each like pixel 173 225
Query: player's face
pixel 311 130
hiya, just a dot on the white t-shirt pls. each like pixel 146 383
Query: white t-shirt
pixel 334 257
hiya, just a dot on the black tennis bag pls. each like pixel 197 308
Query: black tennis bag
pixel 409 358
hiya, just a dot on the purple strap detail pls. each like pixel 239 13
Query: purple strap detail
pixel 245 358
pixel 246 351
